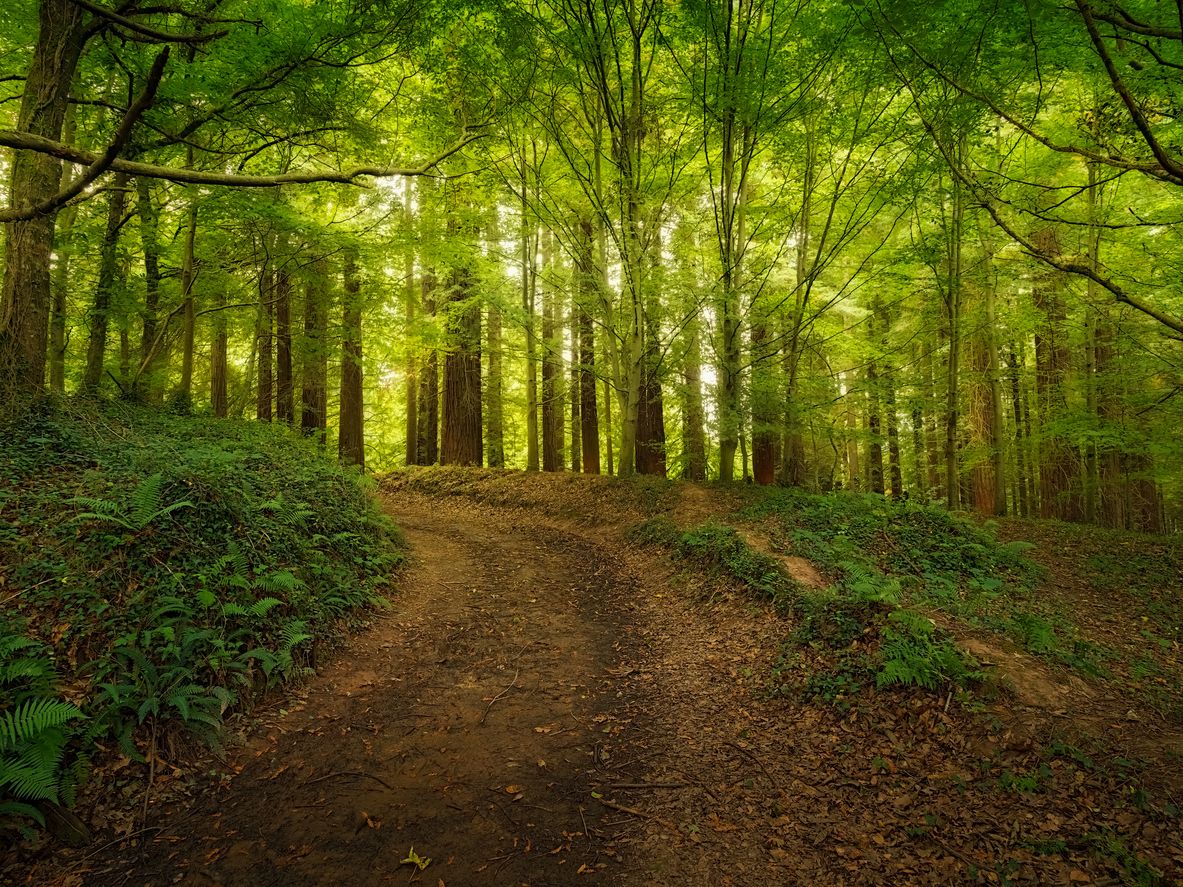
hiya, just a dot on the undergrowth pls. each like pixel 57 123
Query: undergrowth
pixel 157 573
pixel 933 559
pixel 857 632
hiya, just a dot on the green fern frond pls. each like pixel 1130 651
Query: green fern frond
pixel 33 717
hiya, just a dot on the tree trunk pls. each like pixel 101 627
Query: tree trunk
pixel 314 420
pixel 284 392
pixel 694 450
pixel 587 289
pixel 218 359
pixel 552 419
pixel 495 392
pixel 410 297
pixel 265 390
pixel 573 388
pixel 107 287
pixel 462 374
pixel 1059 470
pixel 148 381
pixel 529 305
pixel 351 445
pixel 189 315
pixel 25 294
pixel 429 397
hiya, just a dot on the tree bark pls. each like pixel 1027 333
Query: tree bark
pixel 315 354
pixel 265 388
pixel 149 381
pixel 284 390
pixel 1059 470
pixel 427 450
pixel 25 293
pixel 587 290
pixel 108 284
pixel 462 375
pixel 351 445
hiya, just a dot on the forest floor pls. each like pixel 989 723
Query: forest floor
pixel 546 703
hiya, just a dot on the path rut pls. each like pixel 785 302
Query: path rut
pixel 469 724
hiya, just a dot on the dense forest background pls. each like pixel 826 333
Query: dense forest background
pixel 922 250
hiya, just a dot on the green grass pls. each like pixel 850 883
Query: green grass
pixel 164 571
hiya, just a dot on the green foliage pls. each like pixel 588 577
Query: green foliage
pixel 144 506
pixel 858 629
pixel 913 654
pixel 176 621
pixel 723 550
pixel 35 727
pixel 922 555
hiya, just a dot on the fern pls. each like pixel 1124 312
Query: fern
pixel 33 718
pixel 145 506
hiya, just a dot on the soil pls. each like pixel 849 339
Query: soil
pixel 546 705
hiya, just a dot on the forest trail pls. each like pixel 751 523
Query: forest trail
pixel 545 705
pixel 471 723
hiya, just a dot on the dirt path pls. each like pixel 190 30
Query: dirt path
pixel 471 723
pixel 544 705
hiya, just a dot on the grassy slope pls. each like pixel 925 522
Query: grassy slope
pixel 158 572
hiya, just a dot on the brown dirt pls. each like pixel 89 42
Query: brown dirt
pixel 543 705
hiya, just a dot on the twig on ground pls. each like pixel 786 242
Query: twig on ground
pixel 633 811
pixel 357 773
pixel 489 707
pixel 743 751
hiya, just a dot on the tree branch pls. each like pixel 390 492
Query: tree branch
pixel 29 142
pixel 143 30
pixel 102 163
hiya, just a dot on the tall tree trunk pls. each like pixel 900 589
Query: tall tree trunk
pixel 351 444
pixel 495 392
pixel 694 450
pixel 587 291
pixel 265 389
pixel 874 430
pixel 148 380
pixel 953 287
pixel 285 410
pixel 763 399
pixel 1059 471
pixel 63 251
pixel 188 313
pixel 25 293
pixel 219 364
pixel 529 304
pixel 850 408
pixel 552 419
pixel 462 375
pixel 410 298
pixel 429 396
pixel 1022 503
pixel 314 420
pixel 650 439
pixel 573 388
pixel 108 284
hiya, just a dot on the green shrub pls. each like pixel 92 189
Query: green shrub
pixel 180 565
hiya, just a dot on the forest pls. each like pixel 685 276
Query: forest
pixel 925 253
pixel 868 308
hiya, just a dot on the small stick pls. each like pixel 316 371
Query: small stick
pixel 357 773
pixel 633 811
pixel 500 695
pixel 743 751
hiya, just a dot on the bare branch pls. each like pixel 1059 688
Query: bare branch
pixel 103 162
pixel 29 142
